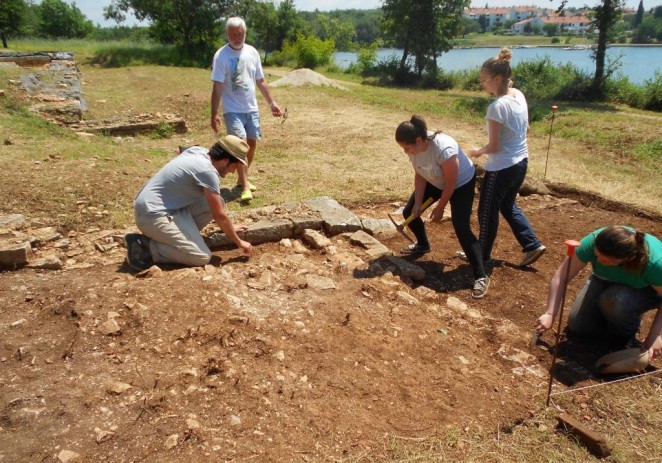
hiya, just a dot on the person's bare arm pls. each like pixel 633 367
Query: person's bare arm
pixel 450 167
pixel 266 93
pixel 493 142
pixel 222 219
pixel 419 193
pixel 653 342
pixel 216 92
pixel 556 292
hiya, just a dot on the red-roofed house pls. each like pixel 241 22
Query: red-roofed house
pixel 498 16
pixel 567 24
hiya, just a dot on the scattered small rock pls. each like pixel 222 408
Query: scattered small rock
pixel 235 420
pixel 408 298
pixel 319 282
pixel 67 456
pixel 315 239
pixel 155 271
pixel 19 322
pixel 46 263
pixel 103 435
pixel 110 327
pixel 117 387
pixel 172 441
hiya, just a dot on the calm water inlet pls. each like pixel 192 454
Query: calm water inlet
pixel 637 63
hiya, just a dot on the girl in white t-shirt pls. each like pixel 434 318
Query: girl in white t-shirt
pixel 444 173
pixel 507 127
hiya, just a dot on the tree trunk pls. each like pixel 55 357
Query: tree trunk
pixel 4 40
pixel 600 54
pixel 405 53
pixel 606 16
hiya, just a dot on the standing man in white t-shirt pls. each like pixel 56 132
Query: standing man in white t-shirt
pixel 236 71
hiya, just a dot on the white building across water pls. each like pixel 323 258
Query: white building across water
pixel 525 19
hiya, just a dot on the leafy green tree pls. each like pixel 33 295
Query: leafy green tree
pixel 342 32
pixel 12 14
pixel 605 17
pixel 309 51
pixel 196 24
pixel 262 22
pixel 640 14
pixel 269 27
pixel 551 29
pixel 366 23
pixel 483 22
pixel 423 29
pixel 470 26
pixel 290 24
pixel 59 20
pixel 648 30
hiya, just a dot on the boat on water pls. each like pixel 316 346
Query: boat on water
pixel 578 47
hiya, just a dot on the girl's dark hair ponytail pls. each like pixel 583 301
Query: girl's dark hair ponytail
pixel 624 243
pixel 408 131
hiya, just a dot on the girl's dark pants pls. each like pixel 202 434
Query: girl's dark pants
pixel 461 204
pixel 498 193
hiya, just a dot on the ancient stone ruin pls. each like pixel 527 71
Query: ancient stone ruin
pixel 55 88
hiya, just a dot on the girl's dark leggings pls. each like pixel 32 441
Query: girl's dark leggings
pixel 461 206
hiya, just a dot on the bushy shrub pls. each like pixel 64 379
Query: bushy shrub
pixel 313 52
pixel 366 60
pixel 543 80
pixel 578 87
pixel 286 57
pixel 440 81
pixel 653 93
pixel 475 106
pixel 307 52
pixel 468 79
pixel 621 90
pixel 390 72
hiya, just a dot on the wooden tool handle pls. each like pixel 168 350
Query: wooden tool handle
pixel 424 206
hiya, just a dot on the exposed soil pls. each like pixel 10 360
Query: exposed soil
pixel 250 359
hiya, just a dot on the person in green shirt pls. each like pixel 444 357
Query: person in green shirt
pixel 626 282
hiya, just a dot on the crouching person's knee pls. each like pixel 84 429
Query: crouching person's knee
pixel 197 259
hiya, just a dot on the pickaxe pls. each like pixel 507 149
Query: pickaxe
pixel 401 227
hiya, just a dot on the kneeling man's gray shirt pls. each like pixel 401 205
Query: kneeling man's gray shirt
pixel 179 184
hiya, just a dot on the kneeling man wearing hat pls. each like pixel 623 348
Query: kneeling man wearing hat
pixel 180 200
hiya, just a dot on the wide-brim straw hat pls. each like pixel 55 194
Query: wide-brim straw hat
pixel 235 146
pixel 623 361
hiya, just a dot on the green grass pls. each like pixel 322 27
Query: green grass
pixel 110 53
pixel 650 152
pixel 490 40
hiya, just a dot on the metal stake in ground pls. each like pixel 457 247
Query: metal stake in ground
pixel 572 245
pixel 549 142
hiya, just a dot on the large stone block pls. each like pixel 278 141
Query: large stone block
pixel 337 219
pixel 260 232
pixel 13 221
pixel 15 255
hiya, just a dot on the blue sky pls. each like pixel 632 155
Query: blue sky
pixel 93 9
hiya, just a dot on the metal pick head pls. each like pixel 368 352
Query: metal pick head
pixel 283 116
pixel 534 341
